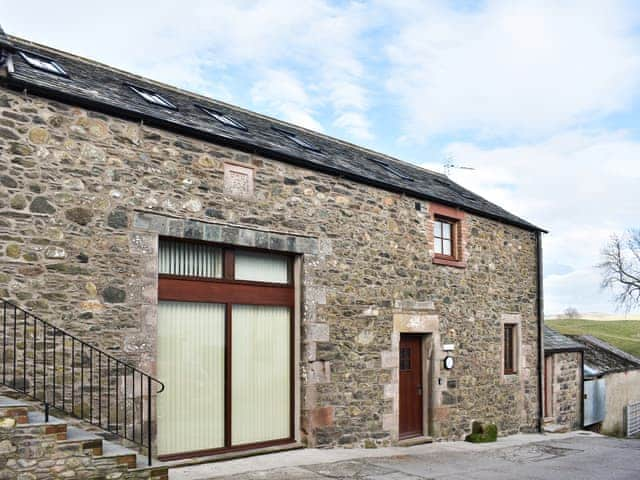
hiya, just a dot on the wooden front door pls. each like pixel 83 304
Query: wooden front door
pixel 411 391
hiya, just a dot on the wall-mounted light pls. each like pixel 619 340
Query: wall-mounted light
pixel 448 362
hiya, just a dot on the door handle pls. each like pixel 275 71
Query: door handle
pixel 419 390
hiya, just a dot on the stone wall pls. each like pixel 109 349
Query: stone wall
pixel 567 389
pixel 72 183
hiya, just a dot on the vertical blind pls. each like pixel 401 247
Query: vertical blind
pixel 190 259
pixel 261 267
pixel 260 385
pixel 191 364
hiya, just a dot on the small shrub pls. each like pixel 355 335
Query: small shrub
pixel 481 433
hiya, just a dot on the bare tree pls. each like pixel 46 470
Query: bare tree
pixel 620 268
pixel 571 313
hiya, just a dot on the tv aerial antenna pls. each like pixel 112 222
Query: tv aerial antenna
pixel 449 164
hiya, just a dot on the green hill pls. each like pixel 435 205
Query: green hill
pixel 624 334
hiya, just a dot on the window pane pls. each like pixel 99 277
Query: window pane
pixel 437 245
pixel 509 348
pixel 446 247
pixel 405 359
pixel 191 365
pixel 437 229
pixel 260 384
pixel 262 267
pixel 446 230
pixel 190 259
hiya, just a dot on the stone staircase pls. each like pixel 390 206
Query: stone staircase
pixel 32 448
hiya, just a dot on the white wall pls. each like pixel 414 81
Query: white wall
pixel 622 388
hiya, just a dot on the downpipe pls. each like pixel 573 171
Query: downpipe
pixel 540 314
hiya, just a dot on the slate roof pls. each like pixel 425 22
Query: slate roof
pixel 105 89
pixel 556 342
pixel 605 358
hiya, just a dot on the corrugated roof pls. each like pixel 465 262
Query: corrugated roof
pixel 556 342
pixel 102 88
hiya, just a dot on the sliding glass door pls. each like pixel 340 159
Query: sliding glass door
pixel 260 393
pixel 191 347
pixel 224 349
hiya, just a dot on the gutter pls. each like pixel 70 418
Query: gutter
pixel 540 314
pixel 562 350
pixel 152 121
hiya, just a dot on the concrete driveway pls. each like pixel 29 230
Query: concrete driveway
pixel 576 455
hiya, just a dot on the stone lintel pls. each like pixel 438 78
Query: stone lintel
pixel 414 305
pixel 511 318
pixel 241 236
pixel 415 323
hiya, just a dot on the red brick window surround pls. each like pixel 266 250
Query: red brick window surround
pixel 447 236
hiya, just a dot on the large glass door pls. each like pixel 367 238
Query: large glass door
pixel 225 350
pixel 191 351
pixel 260 376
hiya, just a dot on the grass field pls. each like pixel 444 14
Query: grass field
pixel 624 334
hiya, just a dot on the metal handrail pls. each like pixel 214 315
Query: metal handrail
pixel 48 364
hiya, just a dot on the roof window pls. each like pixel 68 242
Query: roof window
pixel 297 140
pixel 152 97
pixel 222 118
pixel 442 182
pixel 391 169
pixel 42 63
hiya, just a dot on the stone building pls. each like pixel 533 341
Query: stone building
pixel 563 382
pixel 286 287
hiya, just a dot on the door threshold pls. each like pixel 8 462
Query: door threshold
pixel 411 441
pixel 220 457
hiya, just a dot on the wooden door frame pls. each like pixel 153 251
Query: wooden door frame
pixel 548 387
pixel 425 388
pixel 427 382
pixel 228 291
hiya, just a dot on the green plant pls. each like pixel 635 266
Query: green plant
pixel 481 433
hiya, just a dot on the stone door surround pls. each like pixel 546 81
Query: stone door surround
pixel 150 226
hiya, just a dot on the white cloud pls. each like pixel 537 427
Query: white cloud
pixel 281 92
pixel 582 186
pixel 513 68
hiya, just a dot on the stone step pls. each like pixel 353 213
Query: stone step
pixel 121 455
pixel 152 473
pixel 15 409
pixel 555 428
pixel 89 442
pixel 53 426
pixel 158 471
pixel 410 442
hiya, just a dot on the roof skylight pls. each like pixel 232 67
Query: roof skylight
pixel 153 97
pixel 42 63
pixel 222 118
pixel 391 169
pixel 297 140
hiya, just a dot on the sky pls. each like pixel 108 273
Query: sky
pixel 541 99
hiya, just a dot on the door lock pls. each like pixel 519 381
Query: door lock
pixel 419 390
